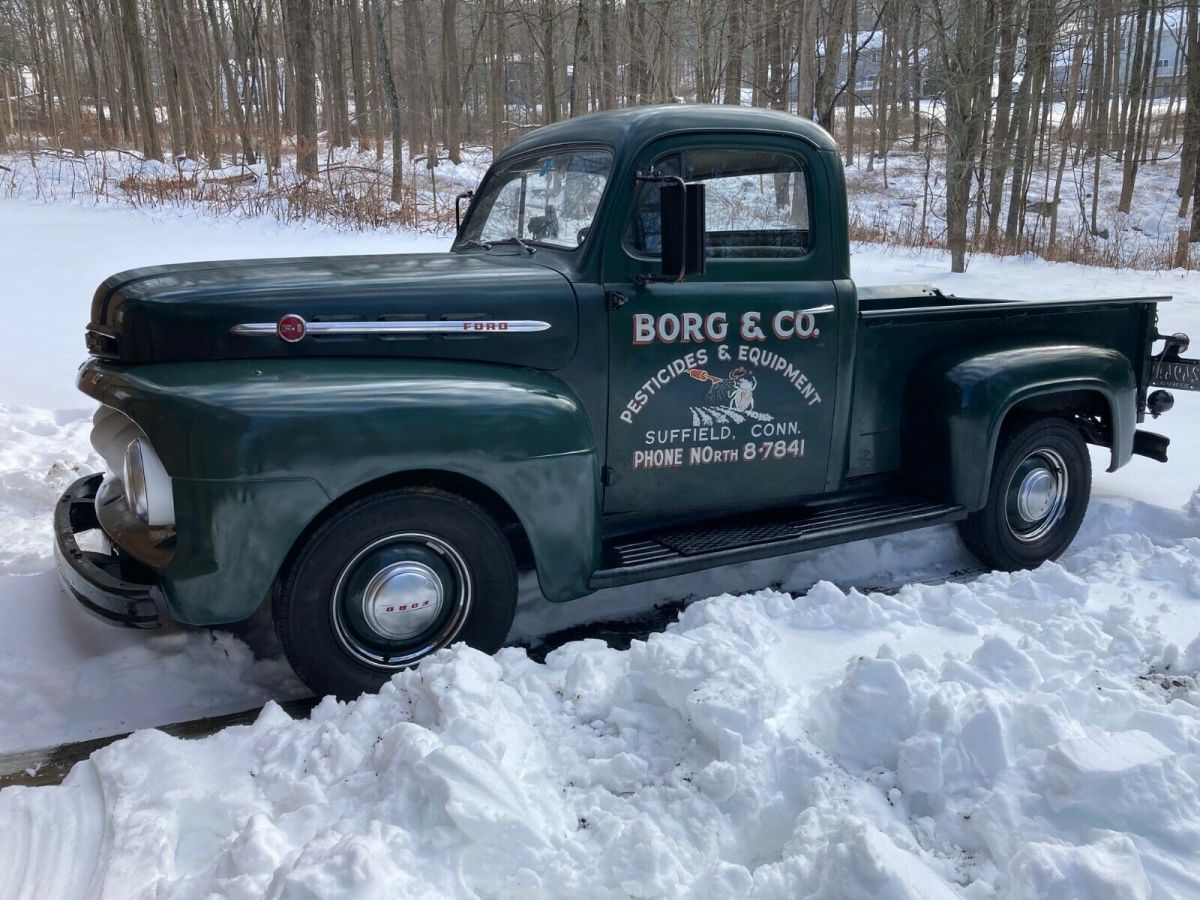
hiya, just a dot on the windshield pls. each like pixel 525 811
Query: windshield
pixel 548 200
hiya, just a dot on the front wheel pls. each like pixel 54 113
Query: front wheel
pixel 1041 482
pixel 389 580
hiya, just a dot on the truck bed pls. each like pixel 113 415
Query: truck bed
pixel 903 327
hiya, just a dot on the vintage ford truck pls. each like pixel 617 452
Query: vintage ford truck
pixel 644 355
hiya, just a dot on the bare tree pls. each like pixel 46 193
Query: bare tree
pixel 1036 103
pixel 965 31
pixel 393 98
pixel 144 97
pixel 304 83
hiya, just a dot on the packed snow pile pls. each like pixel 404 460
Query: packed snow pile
pixel 41 456
pixel 1049 754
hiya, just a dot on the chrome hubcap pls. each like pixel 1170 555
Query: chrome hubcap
pixel 399 599
pixel 402 600
pixel 1037 495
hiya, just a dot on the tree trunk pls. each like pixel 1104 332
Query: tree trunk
pixel 1191 128
pixel 304 84
pixel 549 66
pixel 236 112
pixel 967 45
pixel 273 111
pixel 498 83
pixel 362 109
pixel 608 54
pixel 806 60
pixel 420 79
pixel 451 82
pixel 1002 132
pixel 1136 93
pixel 732 92
pixel 827 76
pixel 181 71
pixel 132 33
pixel 851 82
pixel 335 94
pixel 1066 132
pixel 393 99
pixel 90 39
pixel 71 95
pixel 635 20
pixel 170 80
pixel 578 100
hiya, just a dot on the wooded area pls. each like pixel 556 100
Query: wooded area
pixel 1000 96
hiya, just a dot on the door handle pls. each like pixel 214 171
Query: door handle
pixel 814 310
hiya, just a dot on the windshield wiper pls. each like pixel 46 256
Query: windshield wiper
pixel 513 239
pixel 473 244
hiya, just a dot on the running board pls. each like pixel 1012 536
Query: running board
pixel 643 557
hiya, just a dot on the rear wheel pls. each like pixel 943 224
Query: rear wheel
pixel 1041 483
pixel 389 580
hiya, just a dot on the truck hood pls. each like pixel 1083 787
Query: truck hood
pixel 492 307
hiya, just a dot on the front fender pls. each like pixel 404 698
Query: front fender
pixel 958 402
pixel 257 449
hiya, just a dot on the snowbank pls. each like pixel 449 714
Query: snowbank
pixel 711 760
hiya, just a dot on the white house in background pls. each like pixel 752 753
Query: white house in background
pixel 26 78
pixel 870 61
pixel 1170 59
pixel 1167 66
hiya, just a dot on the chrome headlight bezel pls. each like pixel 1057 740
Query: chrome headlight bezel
pixel 147 484
pixel 134 477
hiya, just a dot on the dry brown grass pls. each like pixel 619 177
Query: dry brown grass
pixel 1073 246
pixel 351 196
pixel 357 200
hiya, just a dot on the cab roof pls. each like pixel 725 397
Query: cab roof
pixel 628 129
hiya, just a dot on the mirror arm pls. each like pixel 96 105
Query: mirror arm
pixel 465 195
pixel 660 179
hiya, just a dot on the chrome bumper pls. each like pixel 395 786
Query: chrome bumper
pixel 113 586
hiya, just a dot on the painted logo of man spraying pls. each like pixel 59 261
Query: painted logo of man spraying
pixel 735 392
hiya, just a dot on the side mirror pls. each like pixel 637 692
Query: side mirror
pixel 682 207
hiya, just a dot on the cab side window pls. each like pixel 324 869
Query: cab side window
pixel 756 204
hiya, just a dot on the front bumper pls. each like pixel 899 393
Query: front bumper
pixel 115 587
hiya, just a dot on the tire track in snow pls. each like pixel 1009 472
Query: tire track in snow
pixel 620 633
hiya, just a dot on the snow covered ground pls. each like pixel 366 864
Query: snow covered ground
pixel 1025 735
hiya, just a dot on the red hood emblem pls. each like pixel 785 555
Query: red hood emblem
pixel 291 328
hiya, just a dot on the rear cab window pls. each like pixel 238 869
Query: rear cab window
pixel 757 204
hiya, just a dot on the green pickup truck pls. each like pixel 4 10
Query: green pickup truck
pixel 644 355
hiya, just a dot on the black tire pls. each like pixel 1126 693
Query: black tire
pixel 347 606
pixel 1007 533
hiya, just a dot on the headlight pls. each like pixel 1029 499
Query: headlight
pixel 147 484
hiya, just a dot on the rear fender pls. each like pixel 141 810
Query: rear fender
pixel 958 404
pixel 258 449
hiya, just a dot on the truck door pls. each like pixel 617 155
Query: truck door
pixel 722 386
